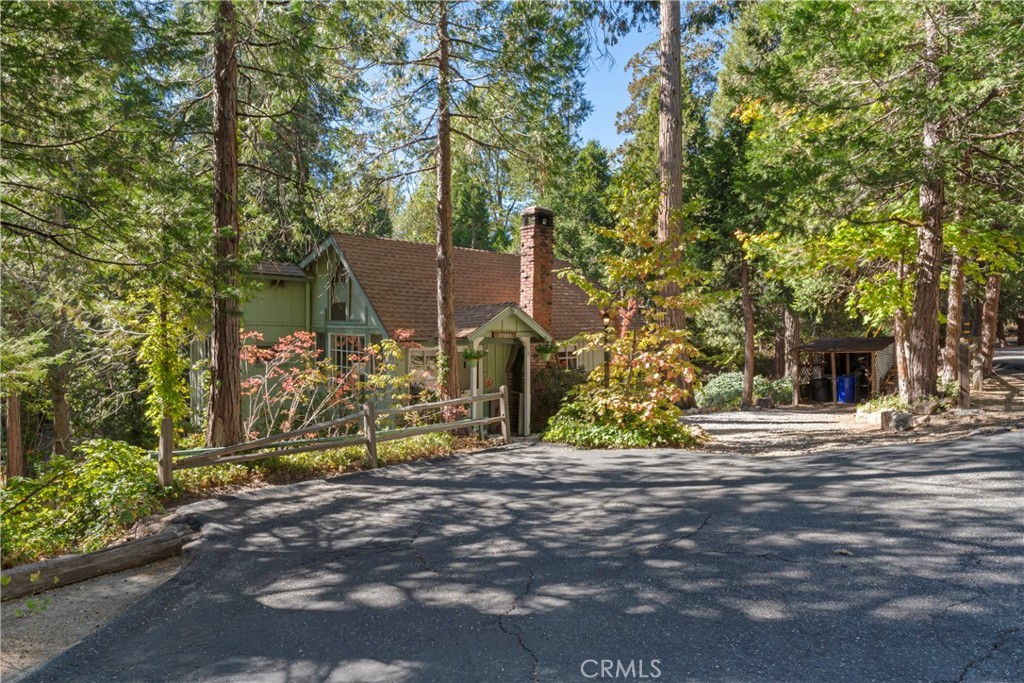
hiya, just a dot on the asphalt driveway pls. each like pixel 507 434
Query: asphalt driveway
pixel 546 564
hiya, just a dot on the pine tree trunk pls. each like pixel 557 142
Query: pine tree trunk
pixel 670 145
pixel 448 381
pixel 224 413
pixel 748 337
pixel 954 319
pixel 16 465
pixel 791 322
pixel 989 318
pixel 58 378
pixel 1020 329
pixel 899 327
pixel 780 353
pixel 924 323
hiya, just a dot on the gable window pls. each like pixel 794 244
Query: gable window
pixel 347 352
pixel 423 366
pixel 567 358
pixel 340 295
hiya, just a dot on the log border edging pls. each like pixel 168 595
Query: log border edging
pixel 69 569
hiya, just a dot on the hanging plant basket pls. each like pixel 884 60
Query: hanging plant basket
pixel 545 350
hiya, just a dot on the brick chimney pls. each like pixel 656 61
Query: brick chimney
pixel 536 259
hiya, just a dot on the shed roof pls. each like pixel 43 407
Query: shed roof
pixel 846 345
pixel 400 280
pixel 274 269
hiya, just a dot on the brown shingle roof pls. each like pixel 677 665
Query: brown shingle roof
pixel 272 269
pixel 400 280
pixel 469 318
pixel 846 344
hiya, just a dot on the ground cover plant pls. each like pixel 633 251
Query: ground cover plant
pixel 84 502
pixel 725 391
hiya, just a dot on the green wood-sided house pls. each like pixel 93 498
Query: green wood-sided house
pixel 353 291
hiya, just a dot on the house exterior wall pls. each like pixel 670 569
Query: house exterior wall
pixel 276 310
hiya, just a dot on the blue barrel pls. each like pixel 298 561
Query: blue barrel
pixel 846 388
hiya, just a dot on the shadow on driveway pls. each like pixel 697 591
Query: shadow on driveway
pixel 892 564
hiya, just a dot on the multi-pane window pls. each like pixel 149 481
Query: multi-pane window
pixel 567 358
pixel 347 352
pixel 423 366
pixel 341 295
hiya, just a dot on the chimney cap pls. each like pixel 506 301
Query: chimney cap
pixel 537 215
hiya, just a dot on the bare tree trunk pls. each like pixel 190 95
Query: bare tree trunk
pixel 791 323
pixel 989 316
pixel 449 380
pixel 924 323
pixel 899 326
pixel 224 413
pixel 748 336
pixel 57 380
pixel 670 145
pixel 1020 329
pixel 954 319
pixel 16 465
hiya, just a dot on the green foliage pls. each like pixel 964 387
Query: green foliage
pixel 23 362
pixel 204 480
pixel 725 391
pixel 77 505
pixel 550 385
pixel 469 354
pixel 605 419
pixel 162 355
pixel 884 402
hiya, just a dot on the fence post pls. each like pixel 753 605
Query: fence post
pixel 165 468
pixel 506 427
pixel 964 372
pixel 370 429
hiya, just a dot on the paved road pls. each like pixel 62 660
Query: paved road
pixel 895 564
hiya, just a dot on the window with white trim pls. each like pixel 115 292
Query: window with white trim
pixel 347 352
pixel 423 366
pixel 567 358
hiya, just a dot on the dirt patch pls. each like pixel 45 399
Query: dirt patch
pixel 30 637
pixel 800 430
pixel 796 430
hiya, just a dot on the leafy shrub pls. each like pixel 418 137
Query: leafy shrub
pixel 550 385
pixel 599 418
pixel 725 391
pixel 78 504
pixel 204 480
pixel 884 402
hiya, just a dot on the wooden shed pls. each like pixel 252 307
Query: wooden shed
pixel 822 362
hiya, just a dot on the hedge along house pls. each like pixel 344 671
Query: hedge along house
pixel 354 291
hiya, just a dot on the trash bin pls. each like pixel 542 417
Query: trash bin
pixel 846 387
pixel 821 389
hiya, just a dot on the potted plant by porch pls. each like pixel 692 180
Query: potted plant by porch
pixel 545 350
pixel 471 355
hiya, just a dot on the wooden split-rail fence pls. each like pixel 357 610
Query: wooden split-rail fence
pixel 289 443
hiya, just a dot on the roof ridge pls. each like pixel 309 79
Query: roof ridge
pixel 425 244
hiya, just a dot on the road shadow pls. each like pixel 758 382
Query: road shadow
pixel 521 565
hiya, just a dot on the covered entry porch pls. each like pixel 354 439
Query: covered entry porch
pixel 500 338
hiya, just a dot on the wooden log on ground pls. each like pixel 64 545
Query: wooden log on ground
pixel 37 577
